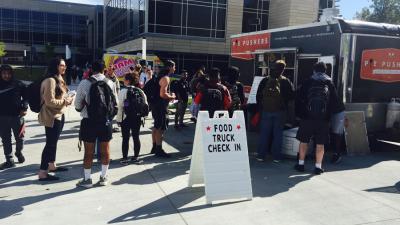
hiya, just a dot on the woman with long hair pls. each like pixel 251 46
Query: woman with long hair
pixel 54 100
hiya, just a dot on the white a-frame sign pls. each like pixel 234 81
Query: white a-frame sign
pixel 220 158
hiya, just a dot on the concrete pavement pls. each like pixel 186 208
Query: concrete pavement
pixel 360 190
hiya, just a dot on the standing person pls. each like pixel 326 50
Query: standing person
pixel 213 96
pixel 143 73
pixel 236 89
pixel 14 106
pixel 196 84
pixel 160 108
pixel 96 99
pixel 273 95
pixel 54 100
pixel 132 109
pixel 315 103
pixel 181 92
pixel 110 74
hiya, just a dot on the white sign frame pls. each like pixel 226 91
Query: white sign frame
pixel 252 99
pixel 225 174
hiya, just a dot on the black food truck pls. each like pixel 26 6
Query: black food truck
pixel 363 59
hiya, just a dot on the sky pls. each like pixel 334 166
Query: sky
pixel 348 8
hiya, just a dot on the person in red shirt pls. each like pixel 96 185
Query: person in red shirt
pixel 213 96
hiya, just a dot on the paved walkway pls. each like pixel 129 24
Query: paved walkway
pixel 360 190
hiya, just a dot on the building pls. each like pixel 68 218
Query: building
pixel 41 27
pixel 196 32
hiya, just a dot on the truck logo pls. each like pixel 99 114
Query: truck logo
pixel 244 47
pixel 381 65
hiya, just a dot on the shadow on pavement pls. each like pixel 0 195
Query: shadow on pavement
pixel 395 189
pixel 15 206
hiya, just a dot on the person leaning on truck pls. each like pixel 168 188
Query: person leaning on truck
pixel 316 102
pixel 273 95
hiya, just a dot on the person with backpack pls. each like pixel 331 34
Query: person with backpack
pixel 159 96
pixel 131 111
pixel 236 89
pixel 14 106
pixel 273 95
pixel 53 102
pixel 110 74
pixel 196 84
pixel 316 102
pixel 97 102
pixel 213 96
pixel 181 90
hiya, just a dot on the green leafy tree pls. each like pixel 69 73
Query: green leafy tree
pixel 2 49
pixel 381 11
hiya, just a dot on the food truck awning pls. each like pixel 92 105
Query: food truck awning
pixel 362 27
pixel 262 51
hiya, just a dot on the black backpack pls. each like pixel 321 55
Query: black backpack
pixel 34 98
pixel 234 92
pixel 318 100
pixel 152 90
pixel 102 105
pixel 135 104
pixel 213 99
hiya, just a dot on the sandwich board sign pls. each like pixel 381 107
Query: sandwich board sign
pixel 220 158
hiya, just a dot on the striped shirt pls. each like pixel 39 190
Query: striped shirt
pixel 82 94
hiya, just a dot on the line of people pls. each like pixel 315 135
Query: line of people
pixel 99 99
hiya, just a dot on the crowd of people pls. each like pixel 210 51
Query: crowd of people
pixel 104 103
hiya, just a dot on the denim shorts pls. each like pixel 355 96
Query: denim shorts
pixel 337 123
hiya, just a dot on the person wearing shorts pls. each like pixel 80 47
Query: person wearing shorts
pixel 312 126
pixel 337 129
pixel 160 109
pixel 90 131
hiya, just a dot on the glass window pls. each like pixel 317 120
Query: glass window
pixel 255 15
pixel 8 13
pixel 23 15
pixel 199 17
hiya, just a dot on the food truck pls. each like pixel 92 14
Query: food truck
pixel 363 60
pixel 122 62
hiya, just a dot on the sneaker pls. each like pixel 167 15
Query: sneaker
pixel 135 159
pixel 299 168
pixel 103 181
pixel 8 164
pixel 162 154
pixel 124 161
pixel 336 158
pixel 85 183
pixel 176 127
pixel 276 161
pixel 20 157
pixel 318 171
pixel 153 150
pixel 260 159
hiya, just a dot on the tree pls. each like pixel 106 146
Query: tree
pixel 2 49
pixel 381 11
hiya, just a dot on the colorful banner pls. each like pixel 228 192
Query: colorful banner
pixel 122 63
pixel 244 46
pixel 381 65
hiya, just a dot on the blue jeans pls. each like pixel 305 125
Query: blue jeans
pixel 271 127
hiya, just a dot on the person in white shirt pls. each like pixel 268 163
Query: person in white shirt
pixel 91 129
pixel 129 118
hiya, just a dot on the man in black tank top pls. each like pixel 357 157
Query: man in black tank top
pixel 160 109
